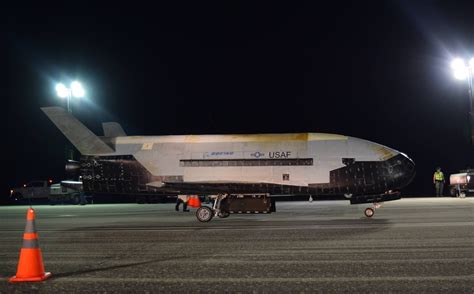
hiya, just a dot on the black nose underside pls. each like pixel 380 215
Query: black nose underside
pixel 401 170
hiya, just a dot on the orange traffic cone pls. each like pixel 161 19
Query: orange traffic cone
pixel 30 266
pixel 194 201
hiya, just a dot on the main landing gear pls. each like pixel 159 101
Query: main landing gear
pixel 370 211
pixel 205 213
pixel 226 204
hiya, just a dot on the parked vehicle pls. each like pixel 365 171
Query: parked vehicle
pixel 65 192
pixel 461 184
pixel 31 191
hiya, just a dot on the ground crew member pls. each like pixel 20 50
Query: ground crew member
pixel 438 181
pixel 182 199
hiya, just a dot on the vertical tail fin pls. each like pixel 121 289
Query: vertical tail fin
pixel 79 135
pixel 113 129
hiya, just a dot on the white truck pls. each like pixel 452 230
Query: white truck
pixel 461 184
pixel 32 191
pixel 47 192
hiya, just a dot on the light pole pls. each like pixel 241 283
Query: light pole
pixel 463 71
pixel 75 90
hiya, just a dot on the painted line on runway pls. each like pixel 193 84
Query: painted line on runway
pixel 229 261
pixel 260 227
pixel 248 280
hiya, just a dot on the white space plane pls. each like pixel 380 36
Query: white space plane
pixel 242 173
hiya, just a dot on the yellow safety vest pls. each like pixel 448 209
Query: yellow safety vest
pixel 439 176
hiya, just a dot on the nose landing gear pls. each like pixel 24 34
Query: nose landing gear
pixel 369 211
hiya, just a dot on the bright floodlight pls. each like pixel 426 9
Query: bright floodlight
pixel 61 90
pixel 460 69
pixel 77 90
pixel 471 63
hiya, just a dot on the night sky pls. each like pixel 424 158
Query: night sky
pixel 378 70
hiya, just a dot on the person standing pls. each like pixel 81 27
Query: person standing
pixel 182 199
pixel 438 181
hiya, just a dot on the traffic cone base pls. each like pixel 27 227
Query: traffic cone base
pixel 15 279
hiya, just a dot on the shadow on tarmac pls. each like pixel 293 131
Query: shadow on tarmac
pixel 239 224
pixel 102 269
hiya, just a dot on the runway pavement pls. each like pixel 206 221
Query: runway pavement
pixel 413 245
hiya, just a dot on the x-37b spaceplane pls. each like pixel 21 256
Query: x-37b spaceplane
pixel 241 173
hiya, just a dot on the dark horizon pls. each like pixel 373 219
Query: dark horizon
pixel 378 71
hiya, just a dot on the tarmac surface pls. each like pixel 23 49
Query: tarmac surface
pixel 412 245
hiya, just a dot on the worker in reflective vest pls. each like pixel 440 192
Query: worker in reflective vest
pixel 438 181
pixel 182 199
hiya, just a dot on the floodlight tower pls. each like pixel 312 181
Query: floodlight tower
pixel 463 71
pixel 75 90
